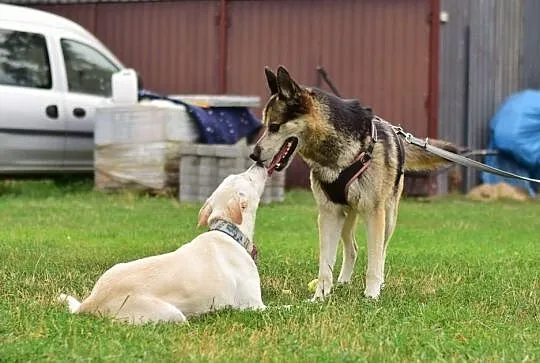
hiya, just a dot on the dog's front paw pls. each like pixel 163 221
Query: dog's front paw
pixel 373 287
pixel 372 292
pixel 344 281
pixel 316 298
pixel 260 307
pixel 323 290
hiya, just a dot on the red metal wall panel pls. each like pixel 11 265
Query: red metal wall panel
pixel 377 51
pixel 173 45
pixel 373 50
pixel 82 14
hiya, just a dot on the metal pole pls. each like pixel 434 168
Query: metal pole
pixel 223 45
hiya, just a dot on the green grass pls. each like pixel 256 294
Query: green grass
pixel 462 283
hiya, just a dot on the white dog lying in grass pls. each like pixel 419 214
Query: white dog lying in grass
pixel 213 271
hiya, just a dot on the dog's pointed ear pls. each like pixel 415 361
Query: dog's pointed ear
pixel 204 213
pixel 272 80
pixel 236 207
pixel 287 87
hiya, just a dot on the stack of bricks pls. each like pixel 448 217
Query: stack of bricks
pixel 203 168
pixel 137 146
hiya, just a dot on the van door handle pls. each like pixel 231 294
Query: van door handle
pixel 51 111
pixel 79 112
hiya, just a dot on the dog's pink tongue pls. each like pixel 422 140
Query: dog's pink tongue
pixel 276 160
pixel 272 165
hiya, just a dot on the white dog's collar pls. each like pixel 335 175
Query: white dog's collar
pixel 233 231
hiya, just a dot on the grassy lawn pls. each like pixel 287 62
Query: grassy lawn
pixel 462 283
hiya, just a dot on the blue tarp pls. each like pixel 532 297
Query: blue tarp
pixel 217 125
pixel 515 133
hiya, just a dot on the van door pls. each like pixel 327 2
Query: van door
pixel 88 74
pixel 32 125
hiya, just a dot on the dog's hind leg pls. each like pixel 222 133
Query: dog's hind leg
pixel 139 309
pixel 330 222
pixel 375 252
pixel 350 249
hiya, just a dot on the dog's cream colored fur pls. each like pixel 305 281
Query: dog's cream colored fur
pixel 212 271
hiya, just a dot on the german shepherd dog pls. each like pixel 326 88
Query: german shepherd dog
pixel 332 134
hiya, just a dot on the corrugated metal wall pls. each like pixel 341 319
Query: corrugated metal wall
pixel 173 45
pixel 377 51
pixel 484 48
pixel 530 71
pixel 453 81
pixel 82 14
pixel 373 50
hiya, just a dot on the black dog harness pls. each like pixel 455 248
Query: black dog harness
pixel 337 190
pixel 234 232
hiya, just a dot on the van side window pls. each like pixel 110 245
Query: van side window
pixel 88 71
pixel 24 60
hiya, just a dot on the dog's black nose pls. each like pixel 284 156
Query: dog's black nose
pixel 256 155
pixel 254 158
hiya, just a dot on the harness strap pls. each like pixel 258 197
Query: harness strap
pixel 337 191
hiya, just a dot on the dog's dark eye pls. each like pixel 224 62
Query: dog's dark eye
pixel 273 127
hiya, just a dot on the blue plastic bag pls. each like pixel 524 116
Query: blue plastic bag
pixel 516 128
pixel 515 133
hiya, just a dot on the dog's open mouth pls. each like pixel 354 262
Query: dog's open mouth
pixel 282 158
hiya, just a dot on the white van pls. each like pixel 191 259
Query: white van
pixel 53 73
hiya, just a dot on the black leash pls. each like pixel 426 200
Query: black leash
pixel 458 159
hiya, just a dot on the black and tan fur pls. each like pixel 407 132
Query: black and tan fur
pixel 331 132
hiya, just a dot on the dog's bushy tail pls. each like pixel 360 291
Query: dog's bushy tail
pixel 73 304
pixel 418 159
